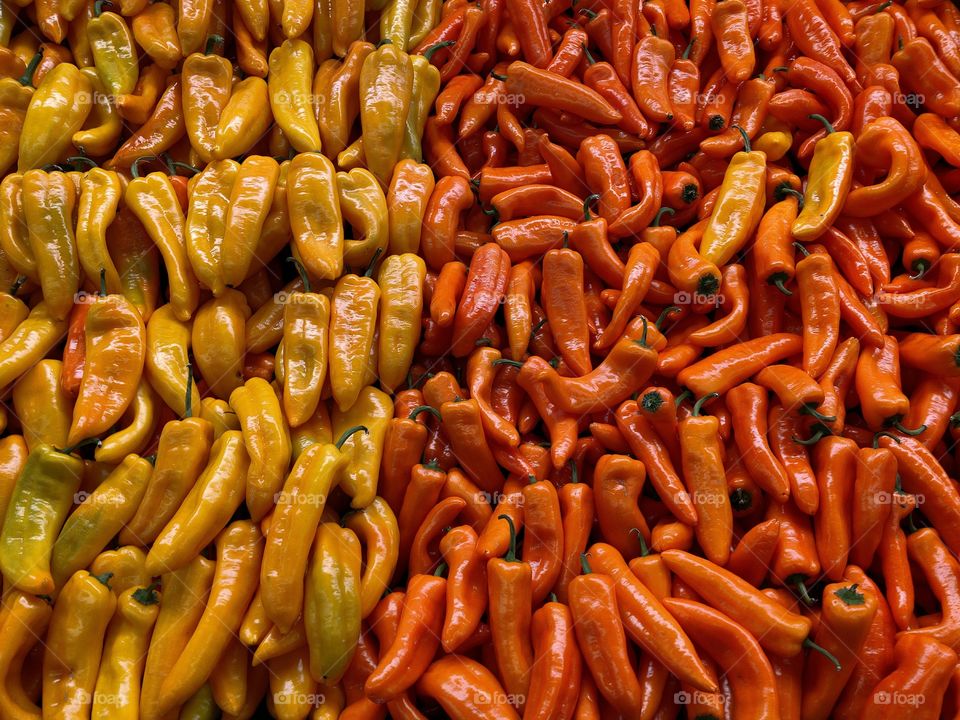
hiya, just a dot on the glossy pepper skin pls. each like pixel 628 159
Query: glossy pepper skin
pixel 372 410
pixel 831 173
pixel 386 85
pixel 74 644
pixel 116 692
pixel 315 216
pixel 57 109
pixel 38 507
pixel 332 602
pixel 25 619
pixel 401 279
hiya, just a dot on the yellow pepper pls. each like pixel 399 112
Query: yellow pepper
pixel 14 237
pixel 137 107
pixel 48 204
pixel 103 126
pixel 219 342
pixel 337 88
pixel 275 235
pixel 774 144
pixel 364 206
pixel 206 227
pixel 26 618
pixel 15 97
pixel 42 406
pixel 322 31
pixel 251 53
pixel 8 20
pixel 401 282
pixel 77 39
pixel 137 261
pixel 386 86
pixel 353 324
pixel 117 692
pixel 99 517
pixel 738 208
pixel 13 457
pixel 134 437
pixel 426 15
pixel 245 119
pixel 194 22
pixel 29 343
pixel 13 310
pixel 395 22
pixel 220 415
pixel 828 183
pixel 426 85
pixel 293 692
pixel 155 30
pixel 290 84
pixel 74 645
pixel 239 549
pixel 185 593
pixel 293 526
pixel 57 110
pixel 410 190
pixel 206 509
pixel 168 347
pixel 207 84
pixel 126 565
pixel 265 326
pixel 331 611
pixel 255 621
pixel 306 318
pixel 251 200
pixel 182 454
pixel 114 51
pixel 347 24
pixel 352 156
pixel 315 219
pixel 267 439
pixel 100 193
pixel 372 410
pixel 153 200
pixel 228 681
pixel 377 529
pixel 318 429
pixel 115 350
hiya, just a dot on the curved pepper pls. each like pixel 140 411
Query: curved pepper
pixel 331 610
pixel 74 644
pixel 266 436
pixel 289 82
pixel 401 280
pixel 205 510
pixel 372 410
pixel 364 207
pixel 386 84
pixel 57 110
pixel 25 620
pixel 830 177
pixel 315 216
pixel 114 51
pixel 218 341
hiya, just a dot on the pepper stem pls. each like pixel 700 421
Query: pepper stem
pixel 415 413
pixel 27 78
pixel 584 565
pixel 586 52
pixel 678 400
pixel 919 267
pixel 884 433
pixel 574 473
pixel 302 272
pixel 823 651
pixel 103 282
pixel 698 405
pixel 212 42
pixel 507 361
pixel 348 433
pixel 17 284
pixel 664 314
pixel 511 555
pixel 644 550
pixel 798 583
pixel 429 52
pixel 746 138
pixel 147 595
pixel 188 400
pixel 74 159
pixel 826 123
pixel 373 262
pixel 907 431
pixel 778 280
pixel 660 212
pixel 813 439
pixel 82 444
pixel 809 409
pixel 135 165
pixel 441 569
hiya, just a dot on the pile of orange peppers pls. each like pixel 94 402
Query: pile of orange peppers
pixel 502 360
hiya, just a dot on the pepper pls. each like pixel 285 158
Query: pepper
pixel 42 406
pixel 315 215
pixel 736 300
pixel 112 46
pixel 831 174
pixel 57 109
pixel 926 74
pixel 739 206
pixel 294 523
pixel 372 410
pixel 165 127
pixel 542 88
pixel 617 484
pixel 38 506
pixel 25 619
pixel 702 463
pixel 364 207
pixel 593 605
pixel 844 622
pixel 556 674
pixel 444 680
pixel 353 318
pixel 124 654
pixel 182 453
pixel 99 517
pixel 386 82
pixel 940 568
pixel 206 509
pixel 74 643
pixel 239 550
pixel 48 206
pixel 289 83
pixel 872 494
pixel 649 78
pixel 251 195
pixel 751 680
pixel 332 602
pixel 266 436
pixel 153 200
pixel 733 37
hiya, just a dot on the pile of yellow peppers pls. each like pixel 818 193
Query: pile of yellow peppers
pixel 204 282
